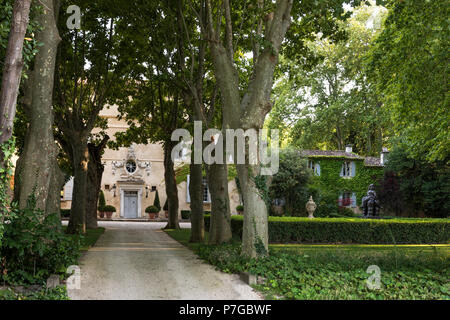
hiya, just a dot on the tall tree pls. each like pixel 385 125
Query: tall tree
pixel 333 104
pixel 87 79
pixel 250 110
pixel 245 88
pixel 410 66
pixel 152 101
pixel 37 171
pixel 200 94
pixel 12 69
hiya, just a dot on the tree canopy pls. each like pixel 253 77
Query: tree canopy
pixel 409 63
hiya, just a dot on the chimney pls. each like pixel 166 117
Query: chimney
pixel 383 156
pixel 348 148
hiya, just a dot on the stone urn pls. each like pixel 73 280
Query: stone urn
pixel 311 207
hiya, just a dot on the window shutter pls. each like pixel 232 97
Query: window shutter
pixel 68 189
pixel 209 195
pixel 188 196
pixel 353 200
pixel 318 169
pixel 353 168
pixel 340 199
pixel 342 170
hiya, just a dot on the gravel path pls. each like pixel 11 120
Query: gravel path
pixel 137 260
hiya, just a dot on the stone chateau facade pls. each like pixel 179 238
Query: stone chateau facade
pixel 132 176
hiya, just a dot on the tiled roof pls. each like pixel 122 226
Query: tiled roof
pixel 372 162
pixel 330 153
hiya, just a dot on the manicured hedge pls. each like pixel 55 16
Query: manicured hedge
pixel 185 214
pixel 65 213
pixel 351 230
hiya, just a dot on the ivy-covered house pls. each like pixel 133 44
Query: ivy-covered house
pixel 343 175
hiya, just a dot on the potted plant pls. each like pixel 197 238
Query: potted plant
pixel 240 209
pixel 152 211
pixel 108 210
pixel 166 209
pixel 185 214
pixel 101 204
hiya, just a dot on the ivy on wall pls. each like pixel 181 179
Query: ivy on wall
pixel 331 182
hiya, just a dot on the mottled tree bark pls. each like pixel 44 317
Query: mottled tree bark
pixel 220 227
pixel 39 155
pixel 77 221
pixel 12 69
pixel 57 181
pixel 171 187
pixel 94 179
pixel 249 111
pixel 196 195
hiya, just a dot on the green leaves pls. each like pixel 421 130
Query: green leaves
pixel 330 102
pixel 34 248
pixel 409 63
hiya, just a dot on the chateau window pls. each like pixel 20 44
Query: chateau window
pixel 206 194
pixel 347 199
pixel 67 191
pixel 348 169
pixel 205 191
pixel 131 166
pixel 315 167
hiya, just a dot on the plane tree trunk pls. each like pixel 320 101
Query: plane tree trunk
pixel 94 180
pixel 80 163
pixel 171 187
pixel 196 195
pixel 38 159
pixel 12 69
pixel 247 107
pixel 220 227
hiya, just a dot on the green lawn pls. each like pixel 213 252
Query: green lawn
pixel 298 271
pixel 90 238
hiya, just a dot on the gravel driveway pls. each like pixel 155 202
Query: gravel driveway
pixel 137 260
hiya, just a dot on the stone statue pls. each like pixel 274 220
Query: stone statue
pixel 311 207
pixel 370 203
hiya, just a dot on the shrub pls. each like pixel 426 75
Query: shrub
pixel 151 209
pixel 240 208
pixel 157 203
pixel 34 247
pixel 101 201
pixel 166 206
pixel 345 212
pixel 6 171
pixel 65 213
pixel 413 186
pixel 185 214
pixel 109 208
pixel 290 182
pixel 351 230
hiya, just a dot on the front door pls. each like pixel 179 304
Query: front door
pixel 130 205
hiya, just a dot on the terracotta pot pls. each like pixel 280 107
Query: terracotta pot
pixel 108 215
pixel 166 214
pixel 102 215
pixel 152 216
pixel 240 212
